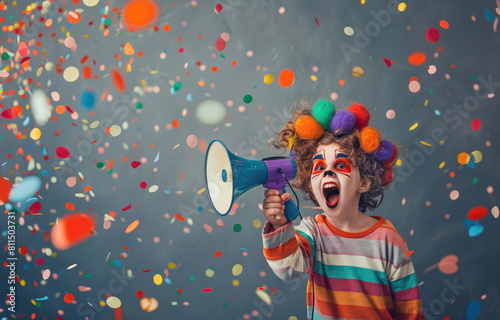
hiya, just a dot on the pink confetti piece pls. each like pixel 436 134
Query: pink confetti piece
pixel 63 153
pixel 207 290
pixel 127 207
pixel 316 19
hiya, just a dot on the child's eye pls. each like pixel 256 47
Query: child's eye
pixel 320 167
pixel 341 165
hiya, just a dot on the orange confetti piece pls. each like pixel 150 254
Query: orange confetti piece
pixel 417 58
pixel 175 123
pixel 179 217
pixel 110 164
pixel 409 253
pixel 69 206
pixel 68 298
pixel 218 254
pixel 131 227
pixel 87 189
pixel 128 49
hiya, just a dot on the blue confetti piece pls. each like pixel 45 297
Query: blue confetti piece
pixel 472 161
pixel 254 87
pixel 168 281
pixel 157 157
pixel 473 310
pixel 164 50
pixel 437 112
pixel 190 97
pixel 26 121
pixel 42 298
pixel 3 164
pixel 476 230
pixel 44 151
pixel 200 208
pixel 117 263
pixel 488 15
pixel 167 191
pixel 243 249
pixel 469 223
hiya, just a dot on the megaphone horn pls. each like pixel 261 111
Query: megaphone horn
pixel 228 176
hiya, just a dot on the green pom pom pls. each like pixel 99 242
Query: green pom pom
pixel 323 111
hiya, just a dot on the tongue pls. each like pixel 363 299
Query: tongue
pixel 332 198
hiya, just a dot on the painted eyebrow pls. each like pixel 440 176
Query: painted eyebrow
pixel 318 156
pixel 341 155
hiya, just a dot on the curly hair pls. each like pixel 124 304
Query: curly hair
pixel 305 149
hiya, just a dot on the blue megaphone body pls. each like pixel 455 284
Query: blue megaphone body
pixel 228 176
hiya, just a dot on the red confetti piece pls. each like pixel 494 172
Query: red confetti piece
pixel 139 294
pixel 175 124
pixel 409 253
pixel 220 44
pixel 135 164
pixel 476 124
pixel 218 254
pixel 207 290
pixel 316 19
pixel 68 298
pixel 35 207
pixel 432 35
pixel 24 250
pixel 179 217
pixel 261 288
pixel 218 7
pixel 387 62
pixel 143 184
pixel 180 290
pixel 118 80
pixel 39 261
pixel 63 153
pixel 148 270
pixel 477 213
pixel 417 58
pixel 127 207
pixel 9 114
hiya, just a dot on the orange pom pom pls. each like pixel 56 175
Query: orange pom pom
pixel 370 139
pixel 308 128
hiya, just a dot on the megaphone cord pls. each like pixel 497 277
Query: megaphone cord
pixel 296 198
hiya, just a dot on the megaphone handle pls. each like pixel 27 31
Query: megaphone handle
pixel 291 210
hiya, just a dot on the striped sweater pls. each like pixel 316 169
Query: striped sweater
pixel 364 275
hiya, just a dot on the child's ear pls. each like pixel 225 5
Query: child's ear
pixel 364 185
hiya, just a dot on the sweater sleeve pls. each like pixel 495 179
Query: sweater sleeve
pixel 404 287
pixel 289 250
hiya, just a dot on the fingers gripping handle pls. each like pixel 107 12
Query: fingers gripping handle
pixel 291 210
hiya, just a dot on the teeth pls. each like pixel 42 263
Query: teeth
pixel 329 185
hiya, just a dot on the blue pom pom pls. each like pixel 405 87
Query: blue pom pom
pixel 385 151
pixel 343 119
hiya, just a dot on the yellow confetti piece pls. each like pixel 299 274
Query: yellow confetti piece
pixel 157 279
pixel 402 6
pixel 414 126
pixel 441 165
pixel 171 265
pixel 176 146
pixel 237 269
pixel 426 102
pixel 478 156
pixel 256 223
pixel 236 283
pixel 314 78
pixel 425 143
pixel 35 134
pixel 201 191
pixel 399 162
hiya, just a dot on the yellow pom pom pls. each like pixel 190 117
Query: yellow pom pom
pixel 308 128
pixel 291 140
pixel 370 139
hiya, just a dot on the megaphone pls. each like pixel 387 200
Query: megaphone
pixel 228 176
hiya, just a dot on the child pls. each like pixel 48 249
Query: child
pixel 359 266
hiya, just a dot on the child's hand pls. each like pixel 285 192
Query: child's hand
pixel 274 206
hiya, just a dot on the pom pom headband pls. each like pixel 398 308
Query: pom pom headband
pixel 325 118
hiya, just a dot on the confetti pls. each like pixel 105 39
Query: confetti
pixel 72 229
pixel 132 226
pixel 286 78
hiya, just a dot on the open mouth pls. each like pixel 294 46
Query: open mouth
pixel 331 193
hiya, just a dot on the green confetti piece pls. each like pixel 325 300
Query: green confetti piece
pixel 5 56
pixel 474 181
pixel 222 56
pixel 191 278
pixel 247 99
pixel 430 90
pixel 86 275
pixel 108 22
pixel 473 78
pixel 177 86
pixel 138 105
pixel 237 227
pixel 100 165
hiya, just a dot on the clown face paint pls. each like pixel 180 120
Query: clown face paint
pixel 335 182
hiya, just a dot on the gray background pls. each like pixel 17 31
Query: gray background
pixel 291 40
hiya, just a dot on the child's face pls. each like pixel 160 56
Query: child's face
pixel 335 181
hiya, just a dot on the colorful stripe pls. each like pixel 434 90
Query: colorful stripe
pixel 363 275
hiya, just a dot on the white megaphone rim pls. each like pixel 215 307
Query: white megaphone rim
pixel 211 187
